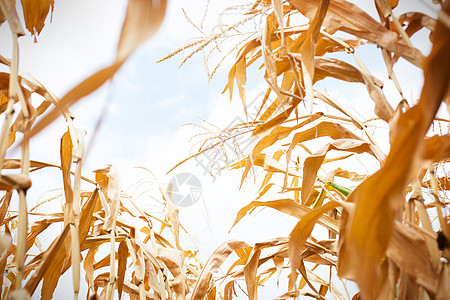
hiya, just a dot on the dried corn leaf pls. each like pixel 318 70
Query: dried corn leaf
pixel 275 121
pixel 229 291
pixel 173 259
pixel 241 79
pixel 254 262
pixel 416 21
pixel 8 11
pixel 350 175
pixel 301 232
pixel 6 199
pixel 437 148
pixel 35 12
pixel 269 61
pixel 250 273
pixel 313 162
pixel 308 49
pixel 122 266
pixel 41 225
pixel 444 285
pixel 279 14
pixel 330 129
pixel 171 211
pixel 330 67
pixel 142 20
pixel 287 206
pixel 408 250
pixel 89 267
pixel 279 133
pixel 347 17
pixel 66 162
pixel 113 195
pixel 2 17
pixel 367 235
pixel 264 190
pixel 212 264
pixel 87 215
pixel 243 254
pixel 46 266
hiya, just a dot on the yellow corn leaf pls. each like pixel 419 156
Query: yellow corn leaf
pixel 276 156
pixel 2 17
pixel 278 261
pixel 211 294
pixel 250 273
pixel 87 215
pixel 152 276
pixel 241 79
pixel 325 45
pixel 265 190
pixel 442 182
pixel 40 225
pixel 66 162
pixel 8 12
pixel 408 251
pixel 6 199
pixel 350 175
pixel 279 133
pixel 301 232
pixel 275 135
pixel 212 264
pixel 3 102
pixel 122 266
pixel 437 148
pixel 35 12
pixel 330 67
pixel 173 259
pixel 444 283
pixel 12 163
pixel 275 121
pixel 416 21
pixel 347 17
pixel 243 254
pixel 60 263
pixel 141 22
pixel 89 267
pixel 269 61
pixel 393 3
pixel 313 162
pixel 104 262
pixel 5 242
pixel 330 129
pixel 308 49
pixel 229 291
pixel 171 211
pixel 287 206
pixel 254 262
pixel 269 111
pixel 113 195
pixel 368 232
pixel 47 265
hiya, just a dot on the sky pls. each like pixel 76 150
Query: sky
pixel 147 103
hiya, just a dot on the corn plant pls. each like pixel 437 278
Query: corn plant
pixel 388 229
